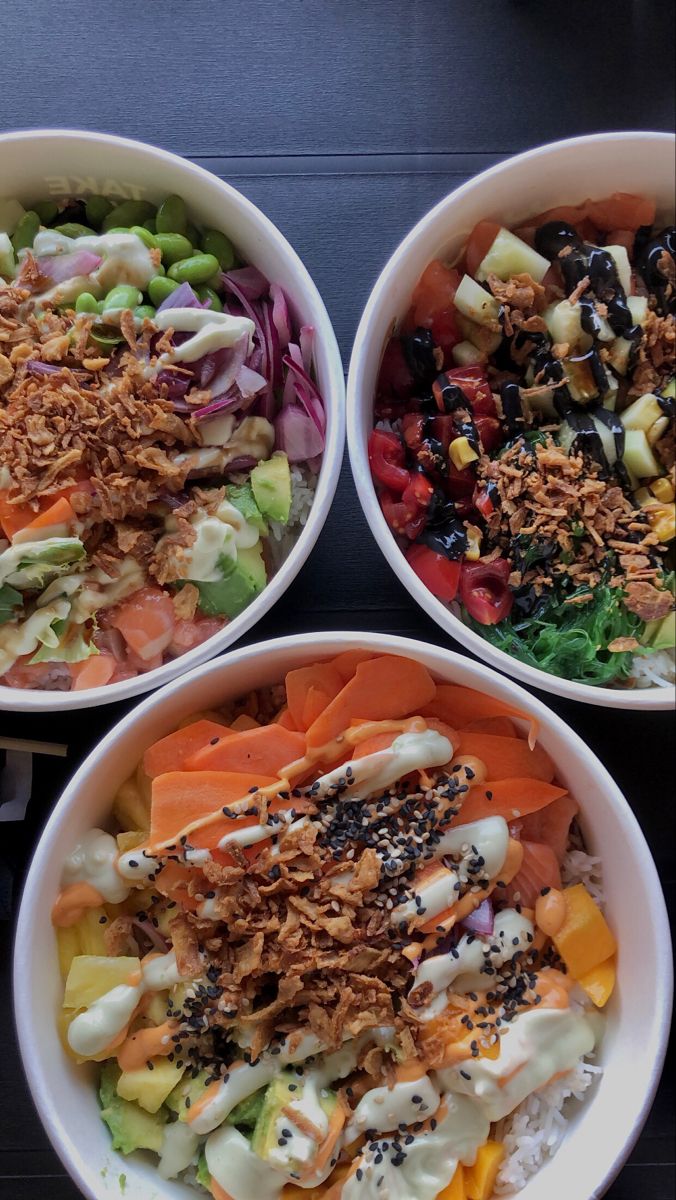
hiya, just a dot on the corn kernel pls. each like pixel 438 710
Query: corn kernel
pixel 665 524
pixel 473 550
pixel 662 489
pixel 461 453
pixel 642 497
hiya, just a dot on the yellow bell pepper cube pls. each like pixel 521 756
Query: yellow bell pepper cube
pixel 662 489
pixel 456 1188
pixel 599 982
pixel 480 1179
pixel 461 453
pixel 585 939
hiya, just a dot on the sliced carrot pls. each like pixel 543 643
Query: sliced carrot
pixel 460 705
pixel 346 663
pixel 94 671
pixel 321 678
pixel 285 719
pixel 181 797
pixel 502 726
pixel 61 512
pixel 551 825
pixel 14 517
pixel 172 751
pixel 265 751
pixel 508 798
pixel 382 688
pixel 173 880
pixel 244 721
pixel 539 869
pixel 371 745
pixel 507 757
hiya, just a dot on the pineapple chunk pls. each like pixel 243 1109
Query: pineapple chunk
pixel 91 976
pixel 642 413
pixel 130 840
pixel 638 457
pixel 130 807
pixel 68 945
pixel 475 302
pixel 89 931
pixel 509 255
pixel 621 259
pixel 150 1087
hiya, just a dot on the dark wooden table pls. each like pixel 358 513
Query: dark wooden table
pixel 345 120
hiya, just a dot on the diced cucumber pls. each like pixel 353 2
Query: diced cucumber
pixel 11 213
pixel 607 440
pixel 657 430
pixel 621 259
pixel 610 395
pixel 6 257
pixel 465 354
pixel 638 307
pixel 563 322
pixel 670 390
pixel 619 352
pixel 642 414
pixel 475 302
pixel 485 340
pixel 509 255
pixel 581 383
pixel 638 457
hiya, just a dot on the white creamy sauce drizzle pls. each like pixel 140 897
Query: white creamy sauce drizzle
pixel 238 1170
pixel 218 536
pixel 94 861
pixel 534 1046
pixel 17 640
pixel 384 1109
pixel 487 839
pixel 211 331
pixel 136 865
pixel 512 932
pixel 377 772
pixel 179 1147
pixel 94 1029
pixel 126 259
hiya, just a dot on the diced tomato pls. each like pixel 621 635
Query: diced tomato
pixel 188 634
pixel 479 243
pixel 434 293
pixel 440 574
pixel 413 429
pixel 464 508
pixel 474 383
pixel 146 621
pixel 484 590
pixel 395 378
pixel 406 519
pixel 490 432
pixel 444 430
pixel 483 502
pixel 419 491
pixel 387 458
pixel 622 210
pixel 47 676
pixel 459 484
pixel 444 330
pixel 93 672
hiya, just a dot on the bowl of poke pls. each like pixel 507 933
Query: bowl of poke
pixel 342 917
pixel 171 417
pixel 512 414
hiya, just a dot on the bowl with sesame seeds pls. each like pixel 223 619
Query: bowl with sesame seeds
pixel 359 913
pixel 511 417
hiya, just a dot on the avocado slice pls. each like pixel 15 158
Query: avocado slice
pixel 245 1114
pixel 241 495
pixel 286 1088
pixel 664 637
pixel 186 1092
pixel 241 582
pixel 271 483
pixel 131 1127
pixel 202 1171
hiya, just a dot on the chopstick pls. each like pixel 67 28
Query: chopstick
pixel 53 749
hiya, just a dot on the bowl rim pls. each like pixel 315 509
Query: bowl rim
pixel 637 699
pixel 35 700
pixel 44 1091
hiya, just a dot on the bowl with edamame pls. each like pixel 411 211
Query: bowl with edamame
pixel 171 417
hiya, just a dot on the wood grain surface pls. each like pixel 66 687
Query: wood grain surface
pixel 345 120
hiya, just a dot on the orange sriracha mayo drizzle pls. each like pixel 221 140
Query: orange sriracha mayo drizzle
pixel 152 1042
pixel 72 903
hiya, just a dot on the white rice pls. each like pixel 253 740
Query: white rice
pixel 282 537
pixel 655 670
pixel 535 1130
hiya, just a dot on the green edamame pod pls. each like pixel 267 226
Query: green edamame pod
pixel 72 230
pixel 159 288
pixel 122 296
pixel 86 303
pixel 97 209
pixel 207 293
pixel 145 235
pixel 196 269
pixel 172 216
pixel 25 232
pixel 174 247
pixel 216 243
pixel 129 212
pixel 144 310
pixel 47 210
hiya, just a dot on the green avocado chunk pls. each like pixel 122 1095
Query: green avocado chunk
pixel 186 1092
pixel 241 582
pixel 664 637
pixel 271 483
pixel 285 1089
pixel 132 1128
pixel 241 495
pixel 246 1113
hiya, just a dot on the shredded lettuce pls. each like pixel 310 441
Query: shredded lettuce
pixel 29 565
pixel 10 602
pixel 571 640
pixel 64 643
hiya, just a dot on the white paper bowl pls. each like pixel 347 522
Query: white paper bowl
pixel 37 164
pixel 601 1134
pixel 561 173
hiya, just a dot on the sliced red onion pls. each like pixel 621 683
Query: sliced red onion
pixel 35 367
pixel 247 281
pixel 230 362
pixel 306 339
pixel 254 316
pixel 59 267
pixel 183 297
pixel 297 434
pixel 307 393
pixel 176 383
pixel 289 394
pixel 243 463
pixel 153 935
pixel 280 315
pixel 481 920
pixel 249 382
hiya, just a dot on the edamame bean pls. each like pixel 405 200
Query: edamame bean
pixel 159 288
pixel 193 234
pixel 196 269
pixel 130 212
pixel 72 230
pixel 47 211
pixel 207 293
pixel 97 209
pixel 24 234
pixel 216 243
pixel 145 235
pixel 107 341
pixel 144 310
pixel 122 296
pixel 150 225
pixel 174 247
pixel 86 303
pixel 172 216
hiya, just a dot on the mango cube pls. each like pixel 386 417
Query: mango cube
pixel 585 939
